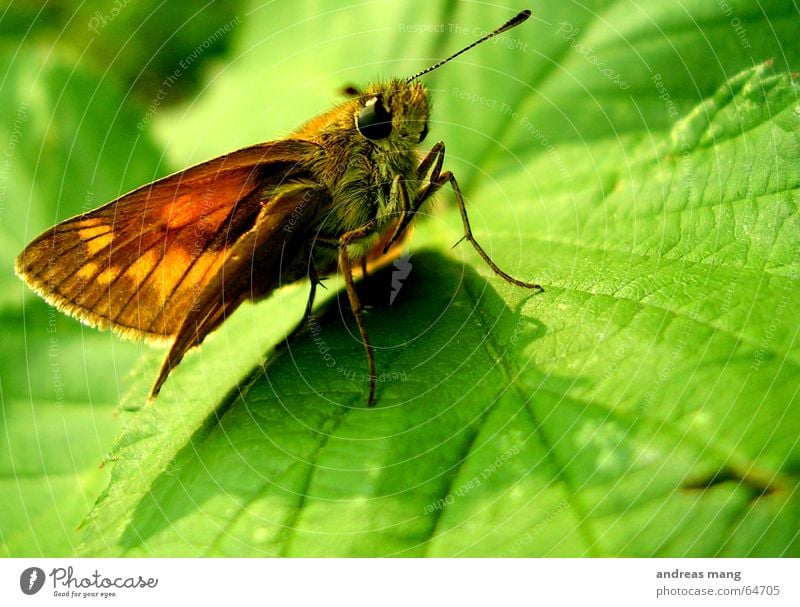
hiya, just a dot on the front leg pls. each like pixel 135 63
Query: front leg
pixel 398 196
pixel 438 179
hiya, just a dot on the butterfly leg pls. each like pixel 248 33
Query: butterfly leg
pixel 435 159
pixel 436 181
pixel 314 279
pixel 448 177
pixel 345 266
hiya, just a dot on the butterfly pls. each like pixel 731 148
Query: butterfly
pixel 171 260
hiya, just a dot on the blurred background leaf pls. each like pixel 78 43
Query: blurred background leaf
pixel 645 405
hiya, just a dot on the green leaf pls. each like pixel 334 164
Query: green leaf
pixel 642 164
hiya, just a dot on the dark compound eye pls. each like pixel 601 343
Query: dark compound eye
pixel 374 122
pixel 423 133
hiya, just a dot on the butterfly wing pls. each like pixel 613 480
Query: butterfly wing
pixel 141 263
pixel 275 248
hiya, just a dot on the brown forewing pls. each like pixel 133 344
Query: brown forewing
pixel 142 263
pixel 271 252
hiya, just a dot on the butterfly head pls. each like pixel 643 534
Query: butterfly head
pixel 393 114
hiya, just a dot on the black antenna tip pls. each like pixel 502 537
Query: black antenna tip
pixel 522 16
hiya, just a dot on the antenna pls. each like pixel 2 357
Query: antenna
pixel 506 26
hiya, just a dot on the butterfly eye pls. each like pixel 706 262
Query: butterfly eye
pixel 374 122
pixel 423 133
